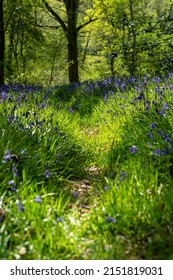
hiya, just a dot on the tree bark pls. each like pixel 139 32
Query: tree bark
pixel 2 44
pixel 72 7
pixel 72 56
pixel 133 58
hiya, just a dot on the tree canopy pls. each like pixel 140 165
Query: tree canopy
pixel 57 41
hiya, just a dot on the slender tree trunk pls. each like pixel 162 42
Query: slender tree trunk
pixel 133 60
pixel 85 51
pixel 9 60
pixel 72 7
pixel 2 44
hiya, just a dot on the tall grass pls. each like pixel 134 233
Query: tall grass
pixel 86 170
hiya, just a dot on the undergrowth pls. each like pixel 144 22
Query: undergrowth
pixel 87 170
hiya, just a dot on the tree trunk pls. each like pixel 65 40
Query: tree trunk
pixel 71 31
pixel 133 57
pixel 2 44
pixel 72 7
pixel 72 56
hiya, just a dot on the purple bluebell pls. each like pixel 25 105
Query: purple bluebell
pixel 11 182
pixel 110 220
pixel 38 199
pixel 157 152
pixel 7 157
pixel 39 123
pixel 75 194
pixel 71 110
pixel 20 207
pixel 106 187
pixel 150 135
pixel 60 219
pixel 31 124
pixel 133 149
pixel 3 96
pixel 169 140
pixel 165 106
pixel 15 171
pixel 122 176
pixel 153 125
pixel 10 119
pixel 13 188
pixel 47 173
pixel 165 151
pixel 161 112
pixel 154 103
pixel 21 125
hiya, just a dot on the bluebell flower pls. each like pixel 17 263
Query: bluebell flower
pixel 75 194
pixel 161 133
pixel 106 187
pixel 71 110
pixel 165 152
pixel 157 152
pixel 43 105
pixel 47 173
pixel 39 123
pixel 13 185
pixel 38 199
pixel 21 125
pixel 165 106
pixel 15 171
pixel 161 112
pixel 154 103
pixel 153 125
pixel 13 188
pixel 7 157
pixel 31 124
pixel 123 173
pixel 4 95
pixel 110 220
pixel 20 207
pixel 150 135
pixel 11 182
pixel 10 119
pixel 133 149
pixel 58 219
pixel 140 97
pixel 169 140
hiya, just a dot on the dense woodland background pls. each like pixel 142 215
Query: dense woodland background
pixel 60 41
pixel 86 127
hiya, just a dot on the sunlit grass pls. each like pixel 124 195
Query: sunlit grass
pixel 86 173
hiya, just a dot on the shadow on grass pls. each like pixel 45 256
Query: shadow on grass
pixel 40 155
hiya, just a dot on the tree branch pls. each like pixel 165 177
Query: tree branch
pixel 85 24
pixel 56 16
